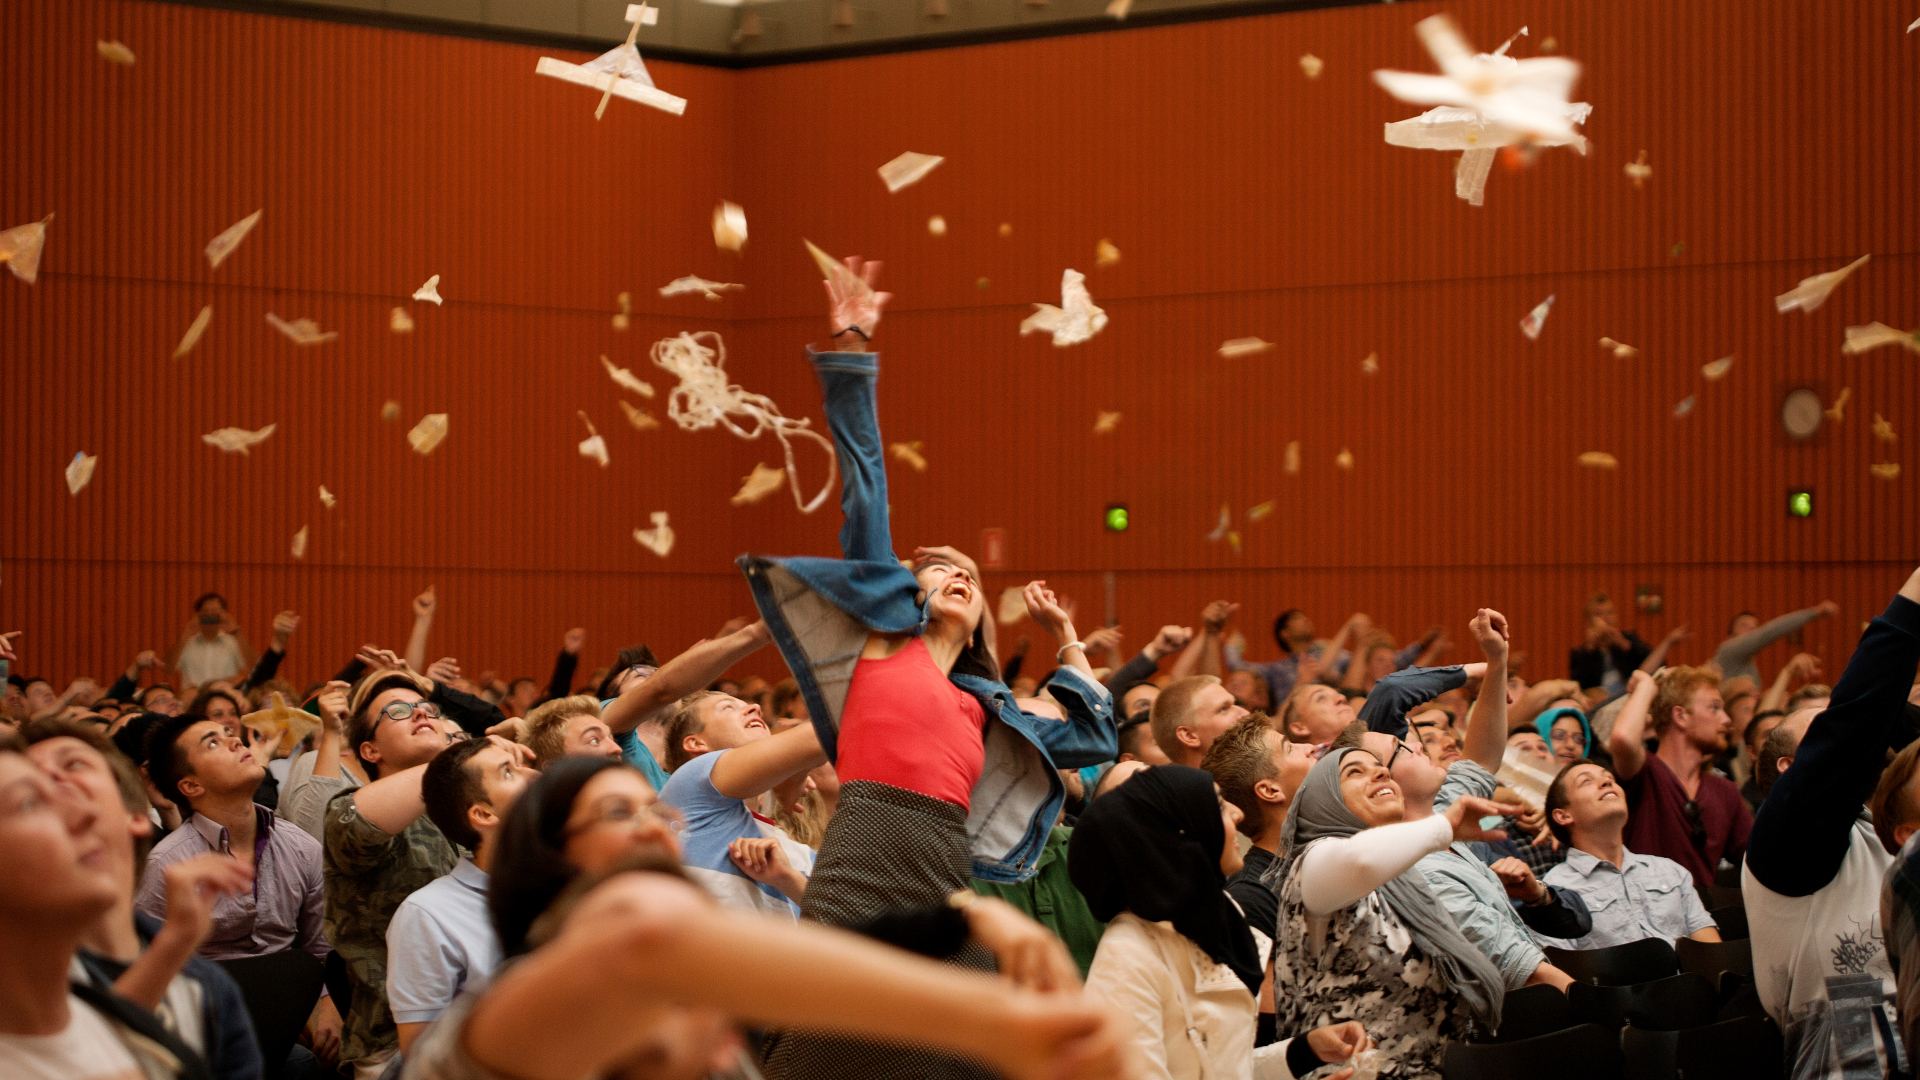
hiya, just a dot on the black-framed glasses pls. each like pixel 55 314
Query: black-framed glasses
pixel 401 710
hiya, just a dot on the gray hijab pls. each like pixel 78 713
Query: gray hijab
pixel 1319 811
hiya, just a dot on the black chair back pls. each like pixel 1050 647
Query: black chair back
pixel 1731 1050
pixel 1719 896
pixel 1530 1012
pixel 1617 965
pixel 1585 1052
pixel 1732 922
pixel 1739 997
pixel 1710 958
pixel 1727 877
pixel 280 990
pixel 1670 1004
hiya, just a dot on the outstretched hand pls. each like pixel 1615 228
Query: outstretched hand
pixel 1466 812
pixel 852 305
pixel 1046 610
pixel 1489 629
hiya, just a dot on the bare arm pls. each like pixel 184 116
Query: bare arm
pixel 745 772
pixel 333 717
pixel 1046 609
pixel 1658 657
pixel 1534 701
pixel 1349 632
pixel 1487 720
pixel 696 668
pixel 1188 662
pixel 1803 667
pixel 392 802
pixel 423 606
pixel 1628 743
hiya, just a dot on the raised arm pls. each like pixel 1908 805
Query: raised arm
pixel 847 381
pixel 1338 872
pixel 1052 616
pixel 1628 743
pixel 423 606
pixel 1487 720
pixel 1801 836
pixel 265 668
pixel 745 772
pixel 1658 657
pixel 1742 649
pixel 692 670
pixel 1803 667
pixel 560 683
pixel 1388 702
pixel 1355 628
pixel 332 704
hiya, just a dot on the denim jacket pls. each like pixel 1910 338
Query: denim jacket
pixel 821 611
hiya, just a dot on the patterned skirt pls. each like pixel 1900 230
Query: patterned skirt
pixel 886 848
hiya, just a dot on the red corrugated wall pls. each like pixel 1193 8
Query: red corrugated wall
pixel 1246 200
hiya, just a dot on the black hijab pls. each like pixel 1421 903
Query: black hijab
pixel 1152 846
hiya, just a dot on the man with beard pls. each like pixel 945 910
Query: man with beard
pixel 1679 808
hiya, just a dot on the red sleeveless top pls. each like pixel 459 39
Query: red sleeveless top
pixel 904 724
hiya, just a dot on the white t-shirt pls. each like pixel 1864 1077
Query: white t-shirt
pixel 202 661
pixel 89 1049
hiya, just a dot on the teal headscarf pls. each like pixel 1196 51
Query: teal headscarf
pixel 1544 725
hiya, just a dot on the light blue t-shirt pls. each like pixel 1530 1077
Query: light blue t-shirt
pixel 440 942
pixel 713 822
pixel 637 755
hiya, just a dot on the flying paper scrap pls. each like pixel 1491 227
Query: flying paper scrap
pixel 705 399
pixel 1293 457
pixel 1524 98
pixel 1371 365
pixel 80 472
pixel 1873 335
pixel 1006 229
pixel 192 336
pixel 618 72
pixel 1684 407
pixel 390 411
pixel 641 419
pixel 1620 352
pixel 1813 291
pixel 1639 170
pixel 1262 511
pixel 222 246
pixel 326 497
pixel 428 433
pixel 729 226
pixel 399 321
pixel 430 291
pixel 236 440
pixel 624 317
pixel 1718 369
pixel 1075 321
pixel 1013 606
pixel 301 331
pixel 658 539
pixel 763 481
pixel 1883 430
pixel 1344 459
pixel 1536 319
pixel 1225 525
pixel 1105 254
pixel 626 378
pixel 908 168
pixel 1311 65
pixel 1105 422
pixel 1243 346
pixel 593 446
pixel 1119 8
pixel 115 52
pixel 911 453
pixel 1838 410
pixel 1885 471
pixel 937 225
pixel 300 543
pixel 280 727
pixel 696 286
pixel 20 248
pixel 1599 459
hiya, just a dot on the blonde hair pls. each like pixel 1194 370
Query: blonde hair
pixel 545 728
pixel 1172 707
pixel 1676 689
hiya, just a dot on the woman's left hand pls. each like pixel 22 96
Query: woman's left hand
pixel 1046 609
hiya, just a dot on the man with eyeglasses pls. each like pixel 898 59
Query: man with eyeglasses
pixel 380 847
pixel 1680 808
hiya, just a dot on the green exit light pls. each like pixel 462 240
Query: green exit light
pixel 1800 503
pixel 1117 518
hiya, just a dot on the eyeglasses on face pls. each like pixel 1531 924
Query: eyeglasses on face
pixel 402 710
pixel 627 814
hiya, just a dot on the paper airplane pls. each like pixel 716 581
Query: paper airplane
pixel 399 321
pixel 1371 365
pixel 192 336
pixel 280 727
pixel 20 248
pixel 222 246
pixel 236 440
pixel 729 227
pixel 1718 369
pixel 658 539
pixel 696 286
pixel 80 472
pixel 430 291
pixel 1873 335
pixel 1639 171
pixel 428 433
pixel 1105 254
pixel 1838 410
pixel 1620 352
pixel 1076 320
pixel 1225 525
pixel 1599 459
pixel 1885 471
pixel 626 378
pixel 762 482
pixel 1883 430
pixel 1536 319
pixel 300 543
pixel 1813 291
pixel 641 419
pixel 1243 346
pixel 301 331
pixel 326 497
pixel 115 52
pixel 1262 511
pixel 618 72
pixel 1105 422
pixel 911 454
pixel 593 446
pixel 908 168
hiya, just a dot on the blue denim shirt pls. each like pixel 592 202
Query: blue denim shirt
pixel 820 613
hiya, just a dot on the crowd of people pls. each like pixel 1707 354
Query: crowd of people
pixel 915 859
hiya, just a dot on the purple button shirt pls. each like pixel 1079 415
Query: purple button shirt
pixel 283 911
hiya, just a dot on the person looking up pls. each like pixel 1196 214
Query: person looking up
pixel 1189 714
pixel 1679 808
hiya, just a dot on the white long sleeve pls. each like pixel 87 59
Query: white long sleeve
pixel 1337 872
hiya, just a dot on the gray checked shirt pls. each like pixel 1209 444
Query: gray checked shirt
pixel 1650 897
